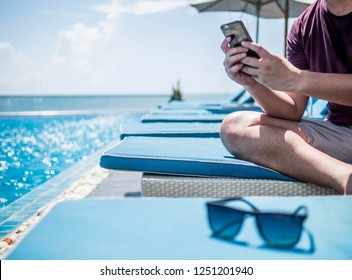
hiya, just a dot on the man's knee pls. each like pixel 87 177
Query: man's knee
pixel 230 125
pixel 235 123
pixel 233 131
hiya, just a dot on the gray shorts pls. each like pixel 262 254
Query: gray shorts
pixel 329 138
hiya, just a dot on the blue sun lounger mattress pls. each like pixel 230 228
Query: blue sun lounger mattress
pixel 204 118
pixel 177 229
pixel 211 109
pixel 211 114
pixel 134 127
pixel 182 156
pixel 229 108
pixel 240 97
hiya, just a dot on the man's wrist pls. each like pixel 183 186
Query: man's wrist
pixel 251 86
pixel 302 81
pixel 298 81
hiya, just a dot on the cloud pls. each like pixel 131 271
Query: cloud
pixel 18 59
pixel 86 58
pixel 75 47
pixel 17 70
pixel 78 46
pixel 81 57
pixel 92 54
pixel 140 7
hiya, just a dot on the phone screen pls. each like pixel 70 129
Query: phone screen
pixel 238 33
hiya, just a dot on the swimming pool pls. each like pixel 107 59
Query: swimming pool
pixel 45 139
pixel 40 136
pixel 35 149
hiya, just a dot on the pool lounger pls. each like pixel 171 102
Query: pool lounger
pixel 210 114
pixel 209 118
pixel 242 96
pixel 195 115
pixel 230 108
pixel 318 109
pixel 210 109
pixel 177 229
pixel 201 157
pixel 158 185
pixel 132 126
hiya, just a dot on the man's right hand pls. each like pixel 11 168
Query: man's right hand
pixel 233 64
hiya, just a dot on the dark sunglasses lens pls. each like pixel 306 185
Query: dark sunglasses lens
pixel 280 230
pixel 225 222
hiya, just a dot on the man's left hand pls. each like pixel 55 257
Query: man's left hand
pixel 274 71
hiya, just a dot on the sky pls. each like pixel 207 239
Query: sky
pixel 117 47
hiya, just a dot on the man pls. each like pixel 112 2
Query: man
pixel 319 65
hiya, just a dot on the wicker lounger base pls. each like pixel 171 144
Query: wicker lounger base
pixel 180 186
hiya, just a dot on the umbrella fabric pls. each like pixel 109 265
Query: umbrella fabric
pixel 259 8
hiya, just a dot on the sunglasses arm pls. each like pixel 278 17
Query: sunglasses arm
pixel 303 210
pixel 225 201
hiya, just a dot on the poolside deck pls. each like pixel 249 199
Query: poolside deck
pixel 118 184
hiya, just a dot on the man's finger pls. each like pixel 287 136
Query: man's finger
pixel 251 61
pixel 250 71
pixel 256 48
pixel 232 60
pixel 233 70
pixel 225 45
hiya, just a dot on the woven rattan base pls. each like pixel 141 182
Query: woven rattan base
pixel 180 186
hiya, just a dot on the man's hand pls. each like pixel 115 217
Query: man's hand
pixel 233 64
pixel 274 71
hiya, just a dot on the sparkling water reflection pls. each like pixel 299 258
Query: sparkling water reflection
pixel 34 149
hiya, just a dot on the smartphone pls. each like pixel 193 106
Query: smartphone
pixel 238 33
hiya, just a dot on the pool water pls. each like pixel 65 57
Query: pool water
pixel 35 149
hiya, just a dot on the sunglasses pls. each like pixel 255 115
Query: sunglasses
pixel 276 229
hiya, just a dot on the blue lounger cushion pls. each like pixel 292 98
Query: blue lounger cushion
pixel 319 110
pixel 241 96
pixel 204 118
pixel 214 109
pixel 133 126
pixel 170 229
pixel 179 111
pixel 182 156
pixel 210 114
pixel 199 116
pixel 230 107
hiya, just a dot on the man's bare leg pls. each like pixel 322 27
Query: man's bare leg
pixel 282 145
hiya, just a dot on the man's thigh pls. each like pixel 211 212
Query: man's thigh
pixel 331 139
pixel 284 124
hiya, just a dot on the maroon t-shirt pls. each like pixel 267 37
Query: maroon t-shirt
pixel 322 42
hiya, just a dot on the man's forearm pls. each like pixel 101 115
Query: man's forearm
pixel 278 103
pixel 336 88
pixel 278 73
